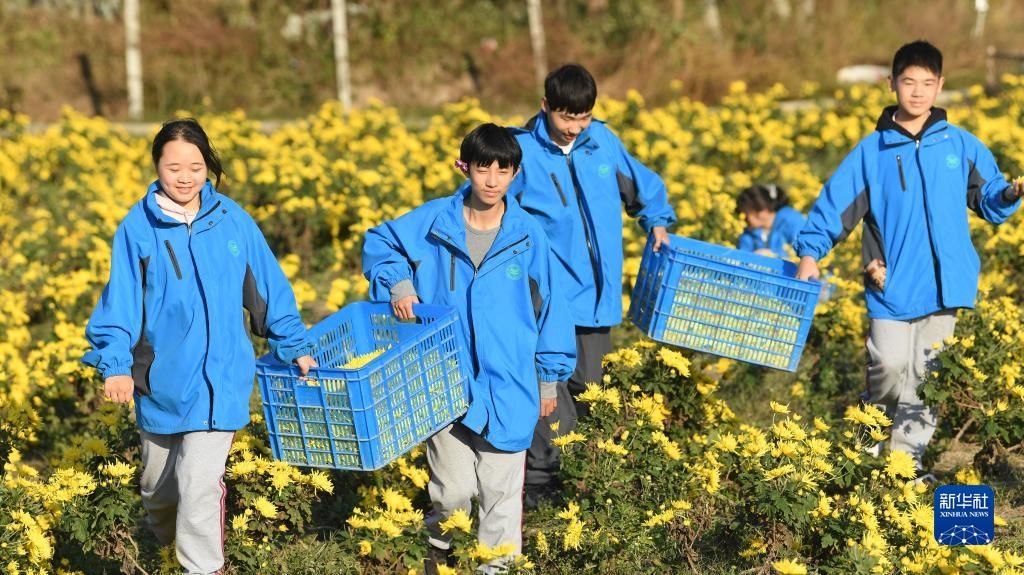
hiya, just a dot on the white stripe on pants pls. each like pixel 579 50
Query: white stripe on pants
pixel 463 465
pixel 900 355
pixel 184 495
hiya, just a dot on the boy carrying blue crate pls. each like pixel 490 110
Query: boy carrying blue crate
pixel 576 177
pixel 911 182
pixel 481 253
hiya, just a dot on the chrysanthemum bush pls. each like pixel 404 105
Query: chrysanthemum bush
pixel 270 503
pixel 31 507
pixel 684 462
pixel 648 489
pixel 976 384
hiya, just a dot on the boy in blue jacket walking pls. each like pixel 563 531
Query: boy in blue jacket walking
pixel 479 251
pixel 168 331
pixel 911 183
pixel 576 175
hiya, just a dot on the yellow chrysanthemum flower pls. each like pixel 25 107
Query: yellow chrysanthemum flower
pixel 789 567
pixel 900 464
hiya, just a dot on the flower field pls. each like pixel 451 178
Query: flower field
pixel 689 463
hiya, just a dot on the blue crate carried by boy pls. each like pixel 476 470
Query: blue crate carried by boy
pixel 383 386
pixel 724 301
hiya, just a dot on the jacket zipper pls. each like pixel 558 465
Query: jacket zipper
pixel 174 259
pixel 502 250
pixel 211 422
pixel 208 212
pixel 903 180
pixel 558 187
pixel 476 270
pixel 927 220
pixel 586 228
pixel 451 274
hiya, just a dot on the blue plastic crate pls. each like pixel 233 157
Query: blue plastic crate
pixel 367 417
pixel 724 301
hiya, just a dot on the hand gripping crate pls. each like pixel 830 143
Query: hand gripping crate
pixel 728 302
pixel 366 417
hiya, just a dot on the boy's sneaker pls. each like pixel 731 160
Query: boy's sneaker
pixel 436 557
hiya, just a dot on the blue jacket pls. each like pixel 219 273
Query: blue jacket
pixel 787 225
pixel 513 316
pixel 912 194
pixel 171 315
pixel 577 200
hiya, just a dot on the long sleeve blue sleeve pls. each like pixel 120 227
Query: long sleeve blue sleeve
pixel 643 192
pixel 271 302
pixel 556 342
pixel 385 262
pixel 843 203
pixel 747 241
pixel 116 323
pixel 986 184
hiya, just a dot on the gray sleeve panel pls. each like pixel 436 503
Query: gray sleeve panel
pixel 142 353
pixel 402 289
pixel 255 304
pixel 975 183
pixel 538 301
pixel 628 193
pixel 872 247
pixel 854 213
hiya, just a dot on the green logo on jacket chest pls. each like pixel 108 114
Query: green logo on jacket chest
pixel 604 170
pixel 233 248
pixel 513 271
pixel 952 162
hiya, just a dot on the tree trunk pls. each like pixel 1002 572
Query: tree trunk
pixel 783 9
pixel 712 19
pixel 981 8
pixel 540 58
pixel 339 18
pixel 133 59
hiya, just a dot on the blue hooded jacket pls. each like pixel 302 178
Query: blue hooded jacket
pixel 171 315
pixel 577 200
pixel 513 316
pixel 787 225
pixel 912 194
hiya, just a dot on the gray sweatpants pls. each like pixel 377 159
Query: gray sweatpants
pixel 463 465
pixel 184 494
pixel 544 458
pixel 900 355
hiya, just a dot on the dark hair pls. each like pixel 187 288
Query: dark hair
pixel 762 197
pixel 919 53
pixel 570 88
pixel 489 143
pixel 188 130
